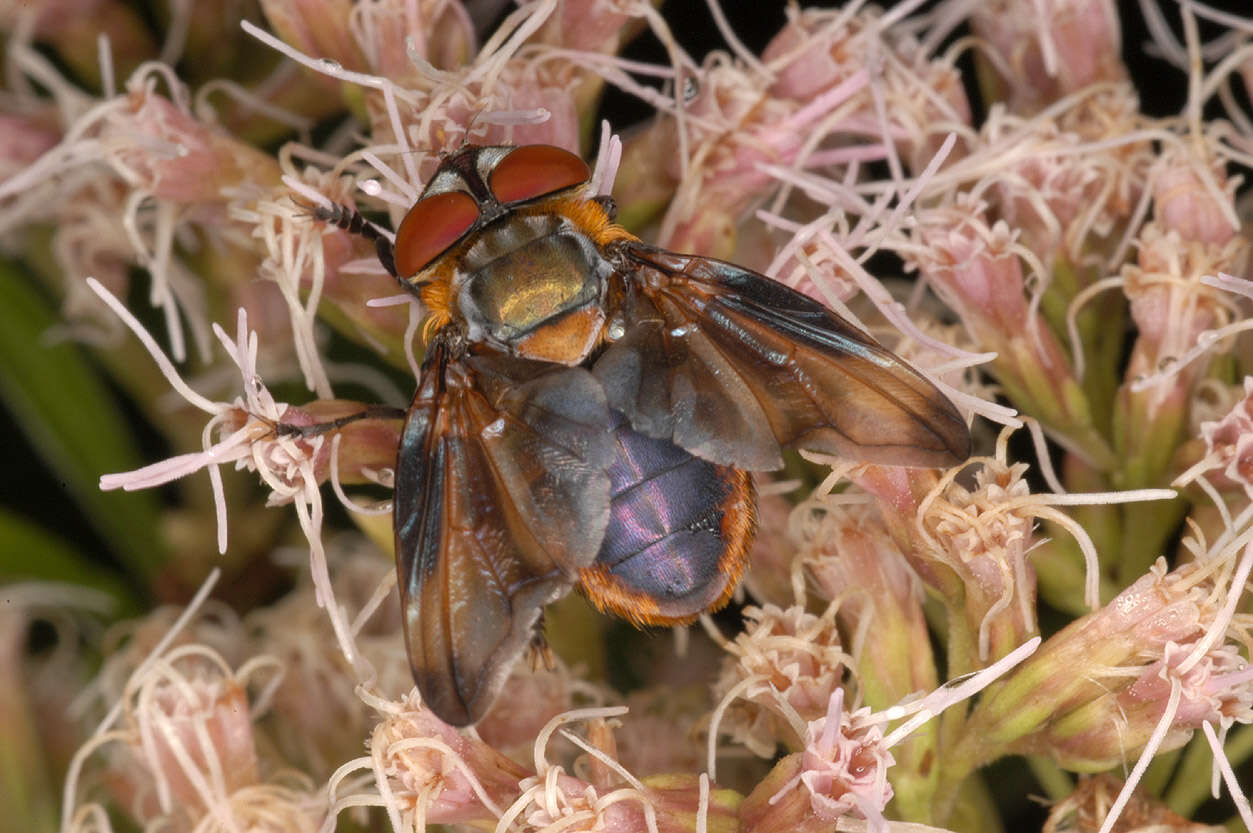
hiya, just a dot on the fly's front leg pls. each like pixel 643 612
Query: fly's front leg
pixel 286 429
pixel 356 448
pixel 351 221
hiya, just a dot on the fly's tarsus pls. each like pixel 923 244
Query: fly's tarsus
pixel 285 429
pixel 351 221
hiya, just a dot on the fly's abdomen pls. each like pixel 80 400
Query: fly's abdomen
pixel 678 534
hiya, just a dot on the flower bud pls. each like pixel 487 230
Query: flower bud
pixel 851 558
pixel 188 736
pixel 1118 724
pixel 1089 670
pixel 1049 49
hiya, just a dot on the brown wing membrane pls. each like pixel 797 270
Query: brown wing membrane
pixel 501 497
pixel 733 366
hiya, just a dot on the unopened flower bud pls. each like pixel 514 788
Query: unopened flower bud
pixel 1050 49
pixel 1098 656
pixel 1117 724
pixel 851 558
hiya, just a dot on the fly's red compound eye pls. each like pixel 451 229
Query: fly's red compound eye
pixel 431 226
pixel 533 171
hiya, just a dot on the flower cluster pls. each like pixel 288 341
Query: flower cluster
pixel 986 188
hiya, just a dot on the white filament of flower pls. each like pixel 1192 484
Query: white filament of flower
pixel 608 158
pixel 101 735
pixel 254 442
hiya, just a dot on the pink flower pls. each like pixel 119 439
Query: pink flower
pixel 845 763
pixel 1228 460
pixel 984 536
pixel 1063 200
pixel 317 27
pixel 842 770
pixel 27 137
pixel 1045 50
pixel 1098 690
pixel 782 670
pixel 423 765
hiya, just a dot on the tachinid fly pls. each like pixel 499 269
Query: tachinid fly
pixel 589 408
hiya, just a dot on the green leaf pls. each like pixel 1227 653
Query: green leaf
pixel 72 419
pixel 28 552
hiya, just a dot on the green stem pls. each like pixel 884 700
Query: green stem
pixel 1055 781
pixel 969 808
pixel 1159 772
pixel 1147 528
pixel 1034 392
pixel 1191 785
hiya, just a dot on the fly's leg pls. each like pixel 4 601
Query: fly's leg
pixel 351 221
pixel 284 429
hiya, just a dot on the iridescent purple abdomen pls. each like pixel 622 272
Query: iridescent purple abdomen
pixel 678 532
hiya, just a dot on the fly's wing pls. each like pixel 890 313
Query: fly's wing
pixel 501 498
pixel 733 366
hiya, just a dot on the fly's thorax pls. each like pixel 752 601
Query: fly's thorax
pixel 534 286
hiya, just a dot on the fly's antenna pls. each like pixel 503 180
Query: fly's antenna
pixel 351 221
